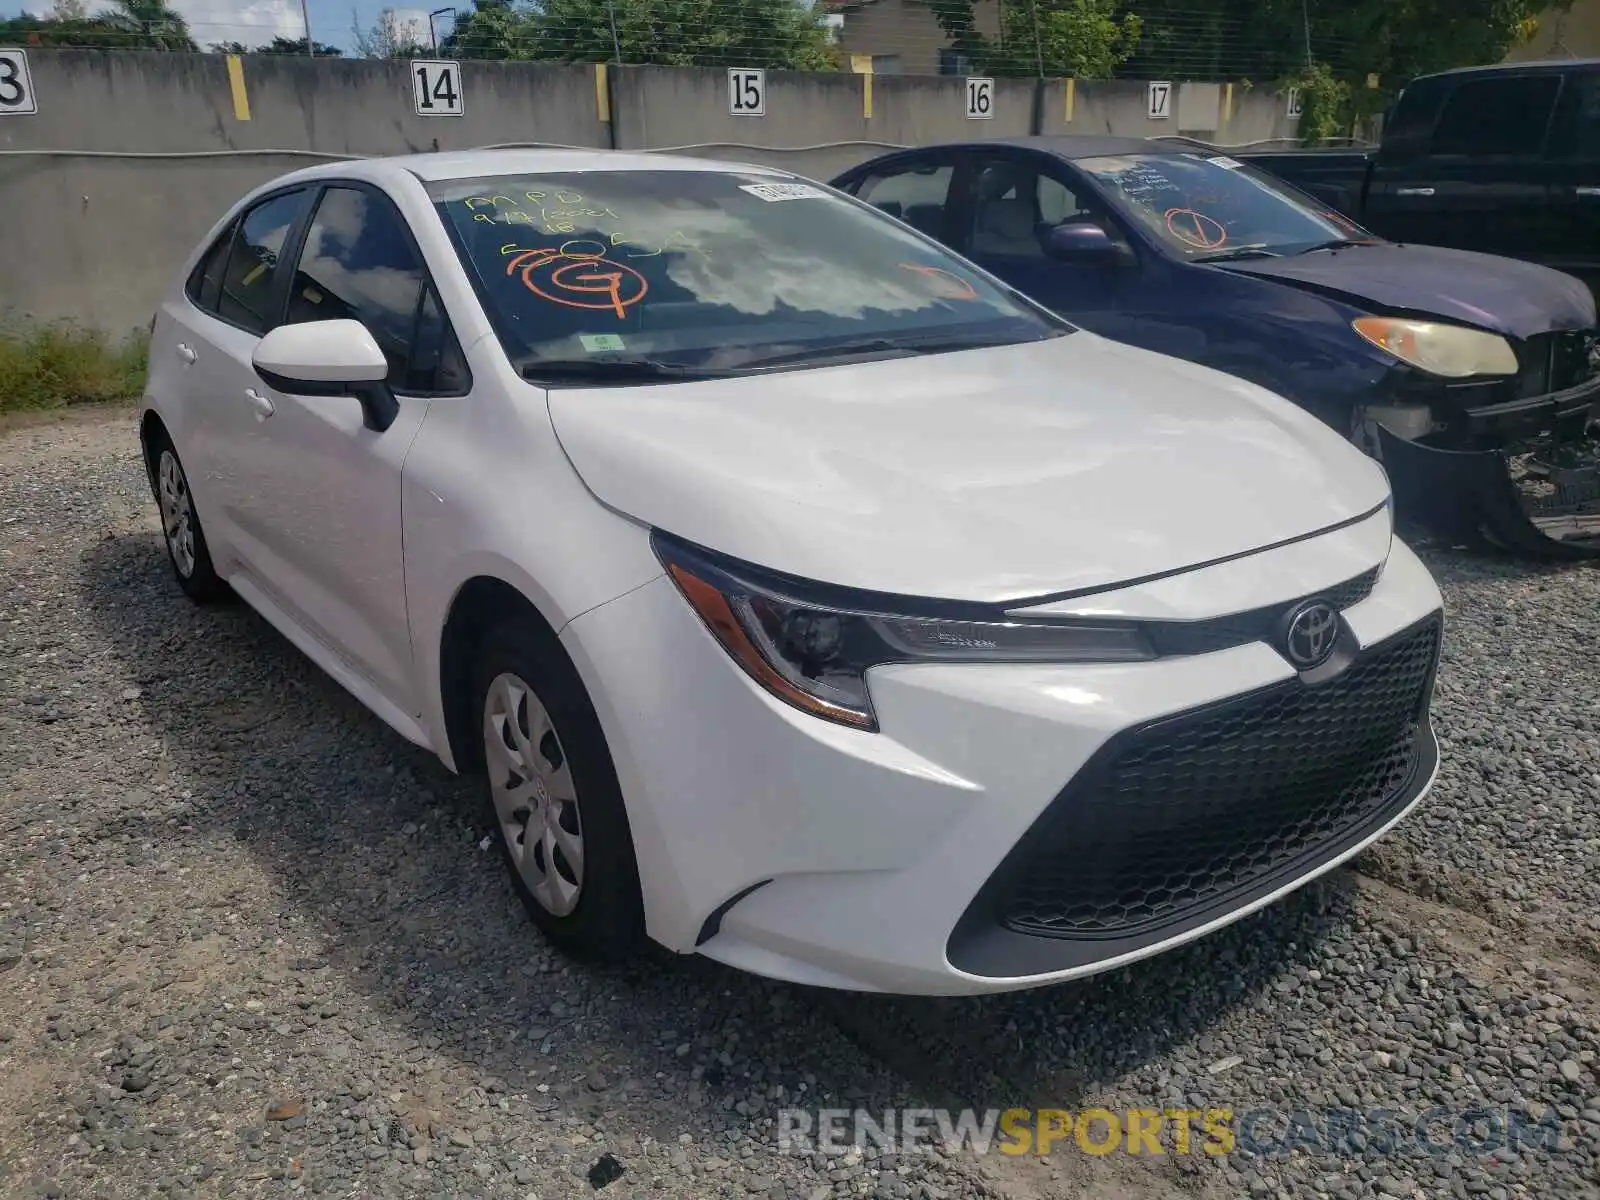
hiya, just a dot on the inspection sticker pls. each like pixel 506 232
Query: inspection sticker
pixel 784 191
pixel 595 343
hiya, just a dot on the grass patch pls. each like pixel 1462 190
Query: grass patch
pixel 55 365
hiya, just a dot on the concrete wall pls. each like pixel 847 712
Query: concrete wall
pixel 132 156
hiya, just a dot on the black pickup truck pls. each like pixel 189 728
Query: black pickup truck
pixel 1503 160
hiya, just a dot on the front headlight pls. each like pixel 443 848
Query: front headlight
pixel 811 646
pixel 1449 350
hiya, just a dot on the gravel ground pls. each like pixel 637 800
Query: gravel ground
pixel 249 944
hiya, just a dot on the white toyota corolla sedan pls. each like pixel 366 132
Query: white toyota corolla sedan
pixel 805 597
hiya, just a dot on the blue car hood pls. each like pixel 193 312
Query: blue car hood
pixel 1511 297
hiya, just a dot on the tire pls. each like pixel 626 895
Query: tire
pixel 180 526
pixel 549 786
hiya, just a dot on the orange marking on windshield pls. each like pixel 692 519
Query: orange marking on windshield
pixel 1195 233
pixel 943 280
pixel 587 281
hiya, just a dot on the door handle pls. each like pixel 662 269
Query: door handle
pixel 1413 191
pixel 186 354
pixel 1586 191
pixel 260 403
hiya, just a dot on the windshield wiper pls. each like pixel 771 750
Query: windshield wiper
pixel 1236 253
pixel 881 345
pixel 1337 244
pixel 617 370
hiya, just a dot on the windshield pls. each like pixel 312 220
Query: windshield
pixel 711 269
pixel 1211 206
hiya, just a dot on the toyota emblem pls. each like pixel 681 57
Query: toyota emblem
pixel 1311 631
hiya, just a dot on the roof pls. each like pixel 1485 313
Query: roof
pixel 1064 145
pixel 464 164
pixel 1513 68
pixel 469 164
pixel 1094 146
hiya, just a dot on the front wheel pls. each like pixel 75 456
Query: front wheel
pixel 553 795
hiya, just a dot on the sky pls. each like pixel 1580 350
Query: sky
pixel 255 21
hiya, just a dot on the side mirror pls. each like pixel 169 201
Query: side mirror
pixel 329 358
pixel 1080 242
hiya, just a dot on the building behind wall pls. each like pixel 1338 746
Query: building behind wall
pixel 902 37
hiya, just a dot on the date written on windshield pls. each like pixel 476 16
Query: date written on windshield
pixel 560 211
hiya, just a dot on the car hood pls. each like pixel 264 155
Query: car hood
pixel 990 475
pixel 1512 297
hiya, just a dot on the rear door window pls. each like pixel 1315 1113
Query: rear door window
pixel 1504 116
pixel 252 284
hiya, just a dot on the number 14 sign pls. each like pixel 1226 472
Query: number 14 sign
pixel 436 88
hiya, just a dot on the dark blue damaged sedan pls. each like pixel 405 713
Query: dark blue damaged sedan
pixel 1474 378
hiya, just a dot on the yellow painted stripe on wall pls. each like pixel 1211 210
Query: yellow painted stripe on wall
pixel 602 94
pixel 861 64
pixel 1072 96
pixel 241 98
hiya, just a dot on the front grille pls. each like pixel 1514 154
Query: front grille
pixel 1185 814
pixel 1553 362
pixel 1257 625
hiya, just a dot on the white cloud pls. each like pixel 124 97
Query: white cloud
pixel 254 22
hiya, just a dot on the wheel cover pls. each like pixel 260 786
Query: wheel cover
pixel 534 794
pixel 177 512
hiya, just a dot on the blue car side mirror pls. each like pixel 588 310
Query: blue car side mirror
pixel 1080 241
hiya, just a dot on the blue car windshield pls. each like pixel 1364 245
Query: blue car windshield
pixel 1198 205
pixel 711 269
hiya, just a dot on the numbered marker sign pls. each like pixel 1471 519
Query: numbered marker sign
pixel 436 88
pixel 1159 101
pixel 747 92
pixel 1294 103
pixel 16 85
pixel 980 99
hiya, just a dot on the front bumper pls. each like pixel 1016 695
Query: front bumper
pixel 784 845
pixel 1506 463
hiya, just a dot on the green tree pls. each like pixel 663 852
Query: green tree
pixel 1084 38
pixel 131 25
pixel 283 45
pixel 705 33
pixel 1088 39
pixel 1268 39
pixel 278 45
pixel 389 37
pixel 150 24
pixel 493 29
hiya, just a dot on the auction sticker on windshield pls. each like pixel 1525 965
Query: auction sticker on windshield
pixel 784 191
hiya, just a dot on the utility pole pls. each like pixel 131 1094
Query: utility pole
pixel 616 43
pixel 432 35
pixel 305 16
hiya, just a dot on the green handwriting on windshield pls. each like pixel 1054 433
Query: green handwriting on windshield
pixel 564 211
